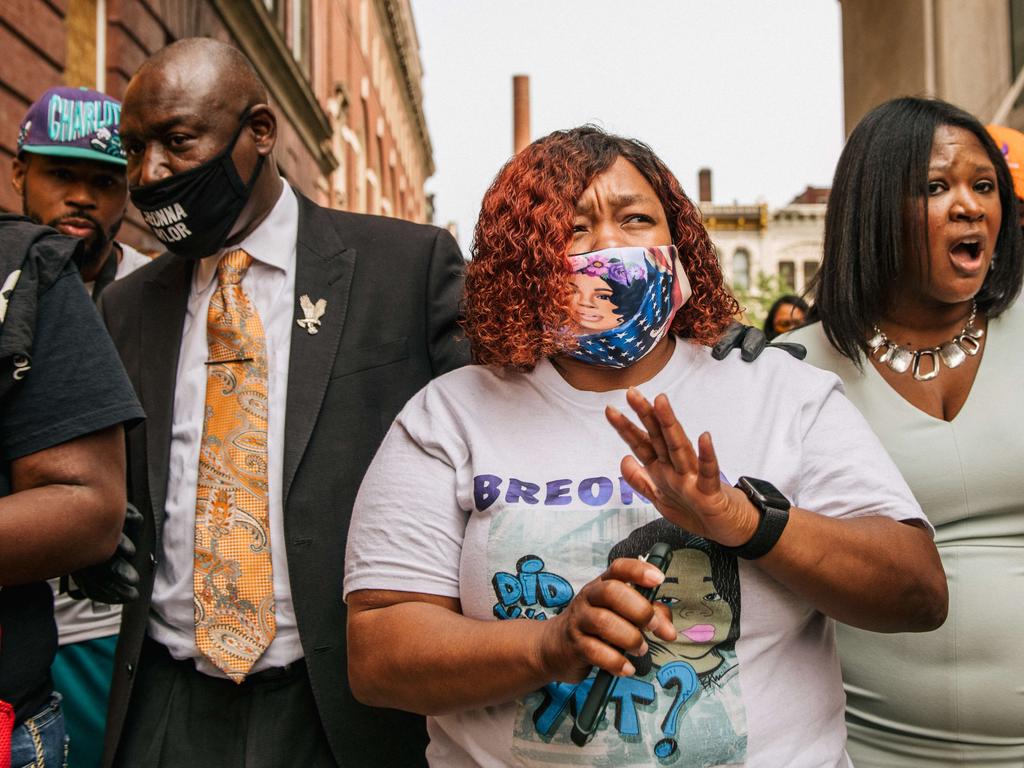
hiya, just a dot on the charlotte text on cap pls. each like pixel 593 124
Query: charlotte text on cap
pixel 73 122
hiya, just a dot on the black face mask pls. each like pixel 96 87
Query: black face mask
pixel 192 213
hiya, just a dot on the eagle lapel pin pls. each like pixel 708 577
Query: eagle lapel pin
pixel 313 313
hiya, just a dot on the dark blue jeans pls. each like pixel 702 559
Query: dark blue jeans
pixel 39 742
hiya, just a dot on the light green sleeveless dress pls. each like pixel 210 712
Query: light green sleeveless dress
pixel 955 696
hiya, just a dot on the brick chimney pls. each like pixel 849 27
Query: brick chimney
pixel 520 111
pixel 704 184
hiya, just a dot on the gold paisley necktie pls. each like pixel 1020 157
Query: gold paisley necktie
pixel 232 578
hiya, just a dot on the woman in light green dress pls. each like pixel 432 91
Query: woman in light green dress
pixel 916 302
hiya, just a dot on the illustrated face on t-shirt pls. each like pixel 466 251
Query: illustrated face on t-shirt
pixel 700 614
pixel 593 304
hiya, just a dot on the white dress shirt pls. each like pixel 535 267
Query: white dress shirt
pixel 270 285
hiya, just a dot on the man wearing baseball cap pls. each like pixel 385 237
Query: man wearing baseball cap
pixel 70 173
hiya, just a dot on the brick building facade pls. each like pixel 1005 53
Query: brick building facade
pixel 344 77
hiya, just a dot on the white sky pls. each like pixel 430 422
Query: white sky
pixel 749 88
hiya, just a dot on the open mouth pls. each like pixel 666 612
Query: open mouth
pixel 966 254
pixel 968 249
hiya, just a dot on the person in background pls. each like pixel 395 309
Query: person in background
pixel 70 175
pixel 477 569
pixel 786 314
pixel 916 295
pixel 1011 145
pixel 64 397
pixel 272 346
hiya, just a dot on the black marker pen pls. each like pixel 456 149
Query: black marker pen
pixel 592 712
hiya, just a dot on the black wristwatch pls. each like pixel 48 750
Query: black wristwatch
pixel 774 509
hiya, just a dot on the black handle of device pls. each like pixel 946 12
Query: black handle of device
pixel 592 712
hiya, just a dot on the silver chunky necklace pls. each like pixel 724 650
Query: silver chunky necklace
pixel 952 353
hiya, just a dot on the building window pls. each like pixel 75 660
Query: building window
pixel 787 275
pixel 375 66
pixel 364 26
pixel 337 111
pixel 810 270
pixel 298 32
pixel 382 173
pixel 278 10
pixel 372 192
pixel 741 269
pixel 352 181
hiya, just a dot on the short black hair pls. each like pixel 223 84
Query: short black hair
pixel 882 171
pixel 789 298
pixel 627 298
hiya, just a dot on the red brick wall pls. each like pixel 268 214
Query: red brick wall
pixel 347 64
pixel 32 49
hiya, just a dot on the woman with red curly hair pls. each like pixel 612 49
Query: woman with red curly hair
pixel 498 494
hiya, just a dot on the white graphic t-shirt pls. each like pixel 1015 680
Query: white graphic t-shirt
pixel 504 490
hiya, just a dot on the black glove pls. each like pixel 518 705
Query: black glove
pixel 751 342
pixel 115 580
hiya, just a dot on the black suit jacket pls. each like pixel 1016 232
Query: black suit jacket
pixel 392 291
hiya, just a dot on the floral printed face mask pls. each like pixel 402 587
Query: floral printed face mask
pixel 625 299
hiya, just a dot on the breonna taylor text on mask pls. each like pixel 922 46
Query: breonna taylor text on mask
pixel 167 223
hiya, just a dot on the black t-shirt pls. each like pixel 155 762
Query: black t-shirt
pixel 76 386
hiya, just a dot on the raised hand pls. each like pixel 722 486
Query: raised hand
pixel 684 485
pixel 607 616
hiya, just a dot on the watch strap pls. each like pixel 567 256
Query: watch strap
pixel 769 529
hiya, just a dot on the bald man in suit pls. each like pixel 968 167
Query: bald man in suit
pixel 358 313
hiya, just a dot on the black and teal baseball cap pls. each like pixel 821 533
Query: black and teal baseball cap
pixel 73 122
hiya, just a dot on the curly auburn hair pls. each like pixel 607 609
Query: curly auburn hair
pixel 518 300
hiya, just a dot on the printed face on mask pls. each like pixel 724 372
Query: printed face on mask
pixel 594 306
pixel 624 301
